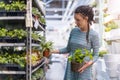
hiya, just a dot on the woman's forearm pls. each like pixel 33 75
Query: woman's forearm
pixel 87 64
pixel 55 51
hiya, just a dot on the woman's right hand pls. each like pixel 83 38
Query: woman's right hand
pixel 66 55
pixel 54 51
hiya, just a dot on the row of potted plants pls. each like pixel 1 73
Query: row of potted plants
pixel 46 46
pixel 17 33
pixel 18 7
pixel 10 57
pixel 14 6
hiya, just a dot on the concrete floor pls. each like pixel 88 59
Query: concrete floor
pixel 57 68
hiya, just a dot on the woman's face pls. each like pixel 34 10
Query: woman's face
pixel 80 21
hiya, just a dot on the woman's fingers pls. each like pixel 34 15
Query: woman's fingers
pixel 80 70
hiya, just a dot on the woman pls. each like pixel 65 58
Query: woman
pixel 82 36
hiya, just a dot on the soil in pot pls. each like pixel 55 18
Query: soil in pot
pixel 76 66
pixel 46 53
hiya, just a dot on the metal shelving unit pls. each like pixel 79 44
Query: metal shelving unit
pixel 29 25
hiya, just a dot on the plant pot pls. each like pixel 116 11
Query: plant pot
pixel 46 53
pixel 76 66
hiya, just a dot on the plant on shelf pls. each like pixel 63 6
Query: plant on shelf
pixel 15 6
pixel 38 15
pixel 36 12
pixel 16 33
pixel 2 5
pixel 38 74
pixel 102 53
pixel 35 36
pixel 42 20
pixel 111 25
pixel 78 58
pixel 46 47
pixel 3 32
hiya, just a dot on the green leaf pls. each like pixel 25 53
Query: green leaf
pixel 79 55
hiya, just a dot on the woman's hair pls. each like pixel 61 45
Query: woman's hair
pixel 86 10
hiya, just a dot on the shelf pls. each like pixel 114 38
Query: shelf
pixel 12 72
pixel 35 67
pixel 112 36
pixel 12 18
pixel 41 63
pixel 16 44
pixel 21 18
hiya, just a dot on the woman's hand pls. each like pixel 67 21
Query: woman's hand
pixel 66 55
pixel 87 64
pixel 54 51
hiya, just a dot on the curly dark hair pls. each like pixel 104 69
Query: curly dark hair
pixel 86 10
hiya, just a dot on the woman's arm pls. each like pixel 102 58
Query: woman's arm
pixel 55 51
pixel 87 64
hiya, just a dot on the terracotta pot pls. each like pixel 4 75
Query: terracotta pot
pixel 46 53
pixel 75 66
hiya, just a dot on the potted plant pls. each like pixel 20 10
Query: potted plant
pixel 2 7
pixel 78 59
pixel 46 47
pixel 102 53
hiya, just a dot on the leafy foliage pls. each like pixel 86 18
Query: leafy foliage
pixel 111 25
pixel 2 5
pixel 101 53
pixel 18 33
pixel 79 56
pixel 46 45
pixel 15 5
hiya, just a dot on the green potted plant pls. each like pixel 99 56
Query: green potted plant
pixel 46 47
pixel 78 58
pixel 102 53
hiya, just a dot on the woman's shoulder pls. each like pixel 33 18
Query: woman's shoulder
pixel 75 29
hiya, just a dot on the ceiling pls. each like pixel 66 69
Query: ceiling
pixel 62 10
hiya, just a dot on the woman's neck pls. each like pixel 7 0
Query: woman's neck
pixel 84 29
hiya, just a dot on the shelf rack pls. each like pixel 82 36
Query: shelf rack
pixel 29 25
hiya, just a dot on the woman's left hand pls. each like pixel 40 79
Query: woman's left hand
pixel 87 64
